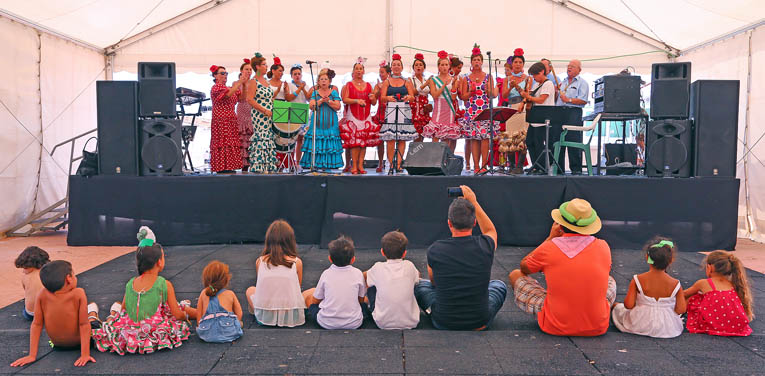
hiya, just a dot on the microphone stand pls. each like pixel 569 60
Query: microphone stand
pixel 315 121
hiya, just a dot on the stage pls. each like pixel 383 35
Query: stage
pixel 698 213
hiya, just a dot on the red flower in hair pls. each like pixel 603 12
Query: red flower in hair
pixel 476 49
pixel 396 57
pixel 442 54
pixel 246 60
pixel 418 56
pixel 277 61
pixel 213 68
pixel 518 52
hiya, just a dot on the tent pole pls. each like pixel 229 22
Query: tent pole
pixel 750 226
pixel 724 36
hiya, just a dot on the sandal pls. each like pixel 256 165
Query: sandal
pixel 93 312
pixel 347 169
pixel 379 168
pixel 362 172
pixel 116 308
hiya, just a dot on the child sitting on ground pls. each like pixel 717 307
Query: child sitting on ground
pixel 30 261
pixel 654 300
pixel 61 308
pixel 721 304
pixel 390 286
pixel 218 313
pixel 277 300
pixel 149 317
pixel 337 300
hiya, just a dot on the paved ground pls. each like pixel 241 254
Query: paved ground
pixel 514 345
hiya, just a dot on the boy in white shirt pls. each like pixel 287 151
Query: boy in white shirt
pixel 337 300
pixel 390 286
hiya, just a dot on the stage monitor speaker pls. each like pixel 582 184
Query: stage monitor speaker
pixel 432 158
pixel 117 120
pixel 714 110
pixel 668 148
pixel 157 89
pixel 670 86
pixel 160 147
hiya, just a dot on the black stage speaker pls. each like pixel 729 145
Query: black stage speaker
pixel 117 114
pixel 617 94
pixel 714 110
pixel 670 85
pixel 157 89
pixel 432 158
pixel 668 148
pixel 160 146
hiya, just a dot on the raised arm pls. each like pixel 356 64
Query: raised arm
pixel 484 222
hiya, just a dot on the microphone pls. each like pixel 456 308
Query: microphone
pixel 309 62
pixel 488 53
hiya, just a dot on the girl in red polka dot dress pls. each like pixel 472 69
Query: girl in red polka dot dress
pixel 721 304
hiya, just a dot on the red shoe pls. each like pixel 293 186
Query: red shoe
pixel 379 169
pixel 354 172
pixel 347 169
pixel 362 172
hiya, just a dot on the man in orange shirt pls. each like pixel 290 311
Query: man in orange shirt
pixel 576 266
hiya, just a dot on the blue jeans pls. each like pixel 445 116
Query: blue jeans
pixel 425 293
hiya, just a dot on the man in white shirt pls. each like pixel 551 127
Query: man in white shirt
pixel 390 286
pixel 543 94
pixel 574 91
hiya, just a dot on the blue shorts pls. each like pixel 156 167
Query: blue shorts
pixel 27 315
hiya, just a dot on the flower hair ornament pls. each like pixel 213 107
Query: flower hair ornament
pixel 383 63
pixel 277 61
pixel 145 236
pixel 258 55
pixel 518 52
pixel 419 56
pixel 297 65
pixel 442 54
pixel 396 57
pixel 476 49
pixel 246 60
pixel 213 69
pixel 360 60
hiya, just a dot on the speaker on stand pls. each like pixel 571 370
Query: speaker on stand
pixel 157 89
pixel 668 148
pixel 670 85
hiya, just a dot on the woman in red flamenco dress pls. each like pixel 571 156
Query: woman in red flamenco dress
pixel 357 130
pixel 225 145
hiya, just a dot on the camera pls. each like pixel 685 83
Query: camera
pixel 454 191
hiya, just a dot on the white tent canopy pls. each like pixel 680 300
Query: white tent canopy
pixel 57 50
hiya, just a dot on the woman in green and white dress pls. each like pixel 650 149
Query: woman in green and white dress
pixel 262 150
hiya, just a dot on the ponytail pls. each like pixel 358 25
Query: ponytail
pixel 741 284
pixel 728 265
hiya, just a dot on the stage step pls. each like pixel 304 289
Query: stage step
pixel 53 218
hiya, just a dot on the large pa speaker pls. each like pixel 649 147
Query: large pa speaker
pixel 160 146
pixel 157 89
pixel 617 94
pixel 714 110
pixel 432 158
pixel 117 119
pixel 670 85
pixel 668 148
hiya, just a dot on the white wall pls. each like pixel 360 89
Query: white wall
pixel 50 88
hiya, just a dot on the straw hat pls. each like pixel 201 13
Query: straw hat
pixel 577 215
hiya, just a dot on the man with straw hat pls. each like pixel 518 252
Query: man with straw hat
pixel 576 266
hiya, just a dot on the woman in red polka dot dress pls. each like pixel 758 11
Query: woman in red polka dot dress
pixel 721 304
pixel 225 146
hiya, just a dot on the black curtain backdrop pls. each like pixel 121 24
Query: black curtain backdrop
pixel 699 213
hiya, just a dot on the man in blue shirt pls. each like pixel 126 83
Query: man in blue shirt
pixel 573 92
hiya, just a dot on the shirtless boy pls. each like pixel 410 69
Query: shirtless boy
pixel 62 309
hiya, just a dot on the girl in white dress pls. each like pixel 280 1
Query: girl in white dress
pixel 277 300
pixel 654 301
